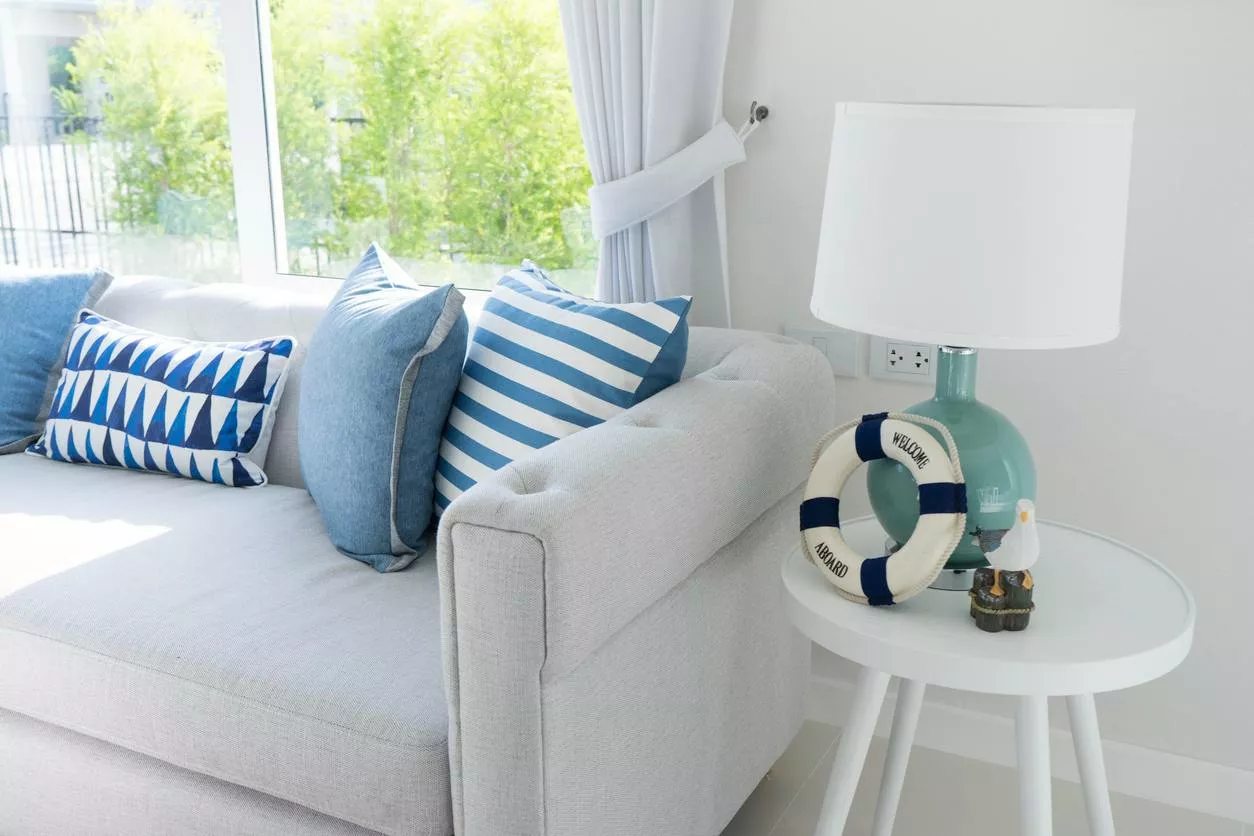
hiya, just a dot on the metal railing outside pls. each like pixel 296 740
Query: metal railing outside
pixel 59 207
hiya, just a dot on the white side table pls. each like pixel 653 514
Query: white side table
pixel 1107 618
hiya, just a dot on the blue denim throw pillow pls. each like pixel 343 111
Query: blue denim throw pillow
pixel 379 377
pixel 37 311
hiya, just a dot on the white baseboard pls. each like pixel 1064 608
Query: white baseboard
pixel 1175 780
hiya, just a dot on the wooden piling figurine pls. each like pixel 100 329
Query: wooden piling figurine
pixel 1001 598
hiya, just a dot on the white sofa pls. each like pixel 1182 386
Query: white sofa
pixel 595 647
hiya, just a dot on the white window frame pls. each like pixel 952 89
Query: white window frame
pixel 261 225
pixel 253 124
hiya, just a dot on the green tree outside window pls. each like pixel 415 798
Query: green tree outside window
pixel 444 128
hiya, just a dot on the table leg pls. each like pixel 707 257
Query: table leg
pixel 855 739
pixel 1088 755
pixel 905 722
pixel 1032 731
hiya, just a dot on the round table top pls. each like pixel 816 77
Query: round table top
pixel 1107 617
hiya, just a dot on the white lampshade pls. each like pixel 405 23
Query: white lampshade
pixel 986 227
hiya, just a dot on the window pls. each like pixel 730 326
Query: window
pixel 114 148
pixel 444 129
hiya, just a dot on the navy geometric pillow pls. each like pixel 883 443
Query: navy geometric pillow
pixel 130 398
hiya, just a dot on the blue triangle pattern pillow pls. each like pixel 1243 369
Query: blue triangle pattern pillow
pixel 134 399
pixel 544 364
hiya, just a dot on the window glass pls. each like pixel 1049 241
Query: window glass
pixel 443 129
pixel 114 149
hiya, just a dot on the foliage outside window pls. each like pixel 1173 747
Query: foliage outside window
pixel 445 129
pixel 154 76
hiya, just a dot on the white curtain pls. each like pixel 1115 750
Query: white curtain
pixel 648 82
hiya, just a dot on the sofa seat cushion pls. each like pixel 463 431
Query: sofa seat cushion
pixel 220 631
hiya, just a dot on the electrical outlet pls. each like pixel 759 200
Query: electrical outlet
pixel 840 347
pixel 909 358
pixel 903 361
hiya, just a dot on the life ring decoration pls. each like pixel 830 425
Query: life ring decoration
pixel 887 579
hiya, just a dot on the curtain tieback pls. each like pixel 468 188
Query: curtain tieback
pixel 619 204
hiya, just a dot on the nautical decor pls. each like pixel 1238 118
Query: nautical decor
pixel 972 227
pixel 942 500
pixel 1001 598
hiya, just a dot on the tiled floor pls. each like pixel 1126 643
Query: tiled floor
pixel 944 795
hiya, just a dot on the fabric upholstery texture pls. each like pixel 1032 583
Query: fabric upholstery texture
pixel 165 404
pixel 37 311
pixel 545 364
pixel 381 371
pixel 230 313
pixel 546 564
pixel 614 721
pixel 610 611
pixel 594 749
pixel 67 784
pixel 250 651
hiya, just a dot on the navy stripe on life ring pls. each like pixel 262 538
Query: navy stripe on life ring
pixel 943 498
pixel 867 439
pixel 875 581
pixel 820 512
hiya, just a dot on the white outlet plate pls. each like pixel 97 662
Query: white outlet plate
pixel 903 361
pixel 841 348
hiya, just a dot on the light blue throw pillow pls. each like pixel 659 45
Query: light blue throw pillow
pixel 544 364
pixel 142 401
pixel 380 373
pixel 37 311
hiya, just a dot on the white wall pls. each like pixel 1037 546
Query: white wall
pixel 26 36
pixel 1149 439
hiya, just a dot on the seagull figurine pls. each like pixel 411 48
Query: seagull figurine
pixel 1020 547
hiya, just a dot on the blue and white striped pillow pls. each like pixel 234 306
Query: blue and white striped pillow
pixel 544 364
pixel 130 398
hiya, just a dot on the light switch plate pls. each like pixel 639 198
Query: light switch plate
pixel 841 348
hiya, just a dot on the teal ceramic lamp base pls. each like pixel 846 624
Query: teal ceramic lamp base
pixel 996 464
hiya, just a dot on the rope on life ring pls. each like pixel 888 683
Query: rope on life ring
pixel 900 436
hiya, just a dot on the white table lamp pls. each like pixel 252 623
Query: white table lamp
pixel 973 227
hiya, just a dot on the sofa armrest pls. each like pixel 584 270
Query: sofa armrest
pixel 626 510
pixel 543 563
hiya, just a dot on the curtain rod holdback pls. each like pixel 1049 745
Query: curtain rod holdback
pixel 626 201
pixel 757 115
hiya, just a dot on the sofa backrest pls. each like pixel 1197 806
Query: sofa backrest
pixel 229 313
pixel 236 312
